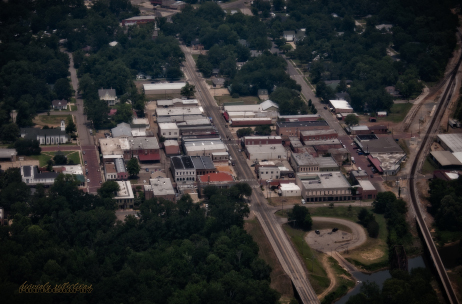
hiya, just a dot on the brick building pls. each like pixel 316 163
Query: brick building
pixel 294 128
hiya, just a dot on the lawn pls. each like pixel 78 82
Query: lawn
pixel 195 56
pixel 312 259
pixel 397 112
pixel 53 119
pixel 279 279
pixel 248 100
pixel 374 252
pixel 428 166
pixel 45 156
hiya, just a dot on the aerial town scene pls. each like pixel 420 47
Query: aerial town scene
pixel 199 151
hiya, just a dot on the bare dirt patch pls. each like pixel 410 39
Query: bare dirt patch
pixel 372 255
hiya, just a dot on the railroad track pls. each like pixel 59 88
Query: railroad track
pixel 435 121
pixel 277 237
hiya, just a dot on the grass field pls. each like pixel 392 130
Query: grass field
pixel 52 119
pixel 45 156
pixel 195 56
pixel 312 259
pixel 248 100
pixel 428 167
pixel 397 112
pixel 279 279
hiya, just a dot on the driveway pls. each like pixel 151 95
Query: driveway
pixel 328 241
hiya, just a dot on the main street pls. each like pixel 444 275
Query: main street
pixel 259 206
pixel 90 153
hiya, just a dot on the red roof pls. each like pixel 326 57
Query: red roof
pixel 216 177
pixel 143 156
pixel 375 162
pixel 112 112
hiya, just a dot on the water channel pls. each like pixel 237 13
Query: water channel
pixel 377 277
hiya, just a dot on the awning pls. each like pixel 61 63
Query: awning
pixel 145 157
pixel 375 162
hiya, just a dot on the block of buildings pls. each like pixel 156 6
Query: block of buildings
pixel 321 187
pixel 32 176
pixel 169 130
pixel 295 144
pixel 172 147
pixel 58 104
pixel 203 165
pixel 143 148
pixel 341 106
pixel 115 170
pixel 218 179
pixel 108 95
pixel 304 162
pixel 178 118
pixel 383 145
pixel 450 142
pixel 255 121
pixel 163 88
pixel 47 136
pixel 124 197
pixel 358 130
pixel 261 140
pixel 327 164
pixel 160 187
pixel 267 109
pixel 357 175
pixel 294 128
pixel 289 189
pixel 261 152
pixel 183 170
pixel 8 155
pixel 318 135
pixel 161 112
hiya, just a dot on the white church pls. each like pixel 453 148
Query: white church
pixel 47 136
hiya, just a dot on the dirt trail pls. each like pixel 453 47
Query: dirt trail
pixel 330 275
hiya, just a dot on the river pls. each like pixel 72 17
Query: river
pixel 378 277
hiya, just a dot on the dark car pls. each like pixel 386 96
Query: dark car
pixel 147 169
pixel 233 163
pixel 335 230
pixel 372 176
pixel 325 108
pixel 317 232
pixel 85 163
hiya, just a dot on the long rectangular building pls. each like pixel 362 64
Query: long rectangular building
pixel 321 187
pixel 294 128
pixel 262 140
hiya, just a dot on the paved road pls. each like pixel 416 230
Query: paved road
pixel 259 206
pixel 328 242
pixel 309 94
pixel 86 141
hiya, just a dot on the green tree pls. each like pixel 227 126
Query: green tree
pixel 188 90
pixel 383 201
pixel 300 217
pixel 124 113
pixel 9 132
pixel 70 127
pixel 373 228
pixel 63 88
pixel 27 147
pixel 109 189
pixel 244 132
pixel 60 158
pixel 50 165
pixel 133 167
pixel 351 120
pixel 263 130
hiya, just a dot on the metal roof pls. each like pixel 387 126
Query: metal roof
pixel 445 158
pixel 366 185
pixel 202 162
pixel 323 180
pixel 164 86
pixel 340 104
pixel 452 141
pixel 302 124
pixel 122 129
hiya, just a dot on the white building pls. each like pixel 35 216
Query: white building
pixel 124 197
pixel 47 136
pixel 290 189
pixel 161 112
pixel 204 148
pixel 262 152
pixel 183 169
pixel 32 176
pixel 341 106
pixel 320 186
pixel 266 172
pixel 169 130
pixel 163 88
pixel 108 95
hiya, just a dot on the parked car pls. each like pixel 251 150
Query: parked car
pixel 317 232
pixel 360 153
pixel 147 169
pixel 85 163
pixel 233 164
pixel 88 180
pixel 372 176
pixel 83 152
pixel 335 230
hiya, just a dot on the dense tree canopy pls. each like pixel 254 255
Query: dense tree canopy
pixel 173 253
pixel 446 203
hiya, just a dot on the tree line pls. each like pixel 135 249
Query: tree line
pixel 173 253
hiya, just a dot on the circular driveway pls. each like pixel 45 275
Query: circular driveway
pixel 328 241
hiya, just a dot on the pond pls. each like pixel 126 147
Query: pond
pixel 378 277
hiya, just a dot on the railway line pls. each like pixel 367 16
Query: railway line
pixel 429 135
pixel 278 239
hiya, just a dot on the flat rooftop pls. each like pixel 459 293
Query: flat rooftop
pixel 452 141
pixel 289 186
pixel 276 149
pixel 304 159
pixel 323 180
pixel 366 185
pixel 317 132
pixel 164 86
pixel 204 145
pixel 161 186
pixel 114 146
pixel 7 153
pixel 326 162
pixel 168 126
pixel 145 143
pixel 179 111
pixel 316 123
pixel 381 146
pixel 340 104
pixel 125 191
pixel 203 162
pixel 334 141
pixel 261 137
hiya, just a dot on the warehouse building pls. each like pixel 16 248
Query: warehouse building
pixel 204 147
pixel 297 118
pixel 320 187
pixel 262 152
pixel 261 140
pixel 445 159
pixel 177 102
pixel 318 135
pixel 289 189
pixel 340 106
pixel 179 111
pixel 163 88
pixel 383 145
pixel 450 142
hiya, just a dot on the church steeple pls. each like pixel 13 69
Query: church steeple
pixel 63 125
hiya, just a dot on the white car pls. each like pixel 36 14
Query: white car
pixel 88 180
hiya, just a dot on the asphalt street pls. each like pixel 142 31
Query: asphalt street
pixel 259 206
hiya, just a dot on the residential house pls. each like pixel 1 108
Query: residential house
pixel 108 95
pixel 59 104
